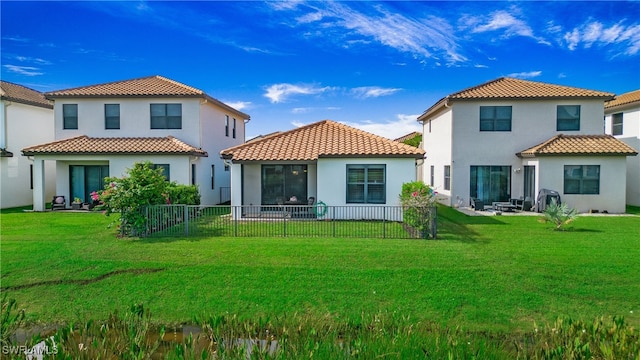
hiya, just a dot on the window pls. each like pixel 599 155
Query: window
pixel 495 118
pixel 432 179
pixel 31 176
pixel 616 124
pixel 85 179
pixel 568 118
pixel 490 183
pixel 111 116
pixel 281 182
pixel 226 125
pixel 166 116
pixel 213 177
pixel 234 128
pixel 165 170
pixel 447 177
pixel 366 184
pixel 70 116
pixel 582 179
pixel 193 174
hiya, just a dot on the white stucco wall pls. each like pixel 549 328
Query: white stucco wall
pixel 612 183
pixel 631 136
pixel 437 144
pixel 456 139
pixel 213 140
pixel 26 125
pixel 118 166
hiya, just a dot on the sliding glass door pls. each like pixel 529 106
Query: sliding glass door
pixel 282 182
pixel 85 179
pixel 490 183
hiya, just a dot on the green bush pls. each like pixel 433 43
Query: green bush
pixel 559 215
pixel 418 201
pixel 143 186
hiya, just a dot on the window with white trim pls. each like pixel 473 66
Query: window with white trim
pixel 582 179
pixel 366 184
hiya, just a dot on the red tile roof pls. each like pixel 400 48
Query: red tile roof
pixel 505 88
pixel 624 99
pixel 321 139
pixel 601 145
pixel 123 146
pixel 24 95
pixel 151 86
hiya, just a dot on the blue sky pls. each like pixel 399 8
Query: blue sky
pixel 372 65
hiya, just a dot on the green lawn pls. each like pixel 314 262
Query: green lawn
pixel 496 273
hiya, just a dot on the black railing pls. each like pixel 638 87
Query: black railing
pixel 292 220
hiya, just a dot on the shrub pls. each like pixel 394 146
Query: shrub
pixel 143 186
pixel 418 201
pixel 559 215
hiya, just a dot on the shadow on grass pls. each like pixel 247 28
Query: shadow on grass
pixel 456 226
pixel 82 281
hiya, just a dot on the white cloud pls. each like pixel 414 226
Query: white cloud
pixel 238 105
pixel 393 129
pixel 624 39
pixel 526 75
pixel 373 91
pixel 281 92
pixel 24 70
pixel 502 21
pixel 32 60
pixel 430 37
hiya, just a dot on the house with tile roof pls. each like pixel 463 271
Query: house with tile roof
pixel 622 120
pixel 25 116
pixel 102 130
pixel 508 138
pixel 328 161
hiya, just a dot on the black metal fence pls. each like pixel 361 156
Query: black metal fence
pixel 294 220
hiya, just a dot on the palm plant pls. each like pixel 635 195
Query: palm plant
pixel 559 215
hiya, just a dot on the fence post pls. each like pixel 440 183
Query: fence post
pixel 186 220
pixel 235 219
pixel 284 222
pixel 333 220
pixel 384 222
pixel 434 222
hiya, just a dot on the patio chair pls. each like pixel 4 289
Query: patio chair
pixel 58 202
pixel 477 204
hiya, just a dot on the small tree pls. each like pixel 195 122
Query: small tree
pixel 418 201
pixel 143 186
pixel 559 215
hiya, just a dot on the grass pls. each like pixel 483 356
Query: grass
pixel 496 274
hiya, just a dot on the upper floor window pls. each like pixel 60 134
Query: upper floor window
pixel 226 125
pixel 234 128
pixel 616 124
pixel 166 116
pixel 433 176
pixel 366 184
pixel 495 118
pixel 70 116
pixel 568 118
pixel 582 179
pixel 112 116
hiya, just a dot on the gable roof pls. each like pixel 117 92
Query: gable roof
pixel 624 99
pixel 24 95
pixel 111 146
pixel 320 140
pixel 601 145
pixel 150 86
pixel 506 88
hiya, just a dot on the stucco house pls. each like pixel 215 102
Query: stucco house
pixel 508 138
pixel 102 130
pixel 329 161
pixel 26 117
pixel 622 120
